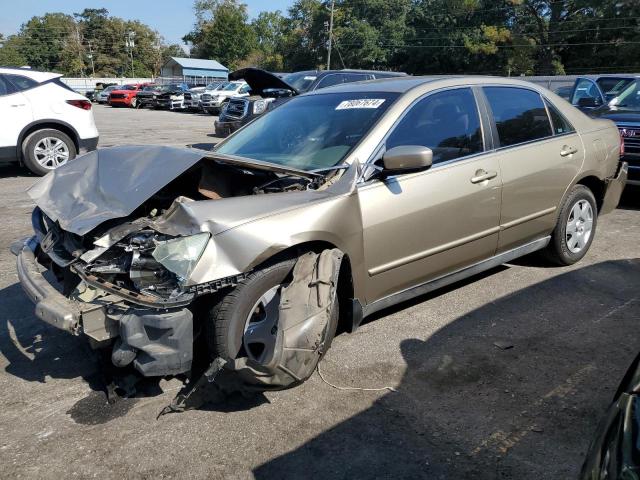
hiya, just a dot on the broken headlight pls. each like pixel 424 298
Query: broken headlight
pixel 180 255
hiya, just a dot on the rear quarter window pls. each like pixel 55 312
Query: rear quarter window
pixel 520 115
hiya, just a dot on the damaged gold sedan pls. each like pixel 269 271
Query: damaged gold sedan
pixel 329 208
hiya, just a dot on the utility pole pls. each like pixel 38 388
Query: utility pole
pixel 93 68
pixel 130 44
pixel 333 3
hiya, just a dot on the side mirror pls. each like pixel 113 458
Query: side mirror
pixel 588 102
pixel 407 158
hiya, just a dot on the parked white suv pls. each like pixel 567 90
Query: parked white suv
pixel 214 101
pixel 43 122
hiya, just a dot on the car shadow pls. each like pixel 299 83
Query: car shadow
pixel 15 170
pixel 630 199
pixel 513 389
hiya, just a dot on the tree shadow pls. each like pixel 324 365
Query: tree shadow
pixel 514 389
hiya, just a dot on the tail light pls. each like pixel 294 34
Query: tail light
pixel 83 104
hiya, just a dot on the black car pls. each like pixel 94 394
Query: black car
pixel 147 96
pixel 615 450
pixel 268 90
pixel 615 98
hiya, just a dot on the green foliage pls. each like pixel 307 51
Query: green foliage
pixel 222 32
pixel 85 42
pixel 499 37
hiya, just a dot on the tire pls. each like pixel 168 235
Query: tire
pixel 228 317
pixel 42 163
pixel 578 217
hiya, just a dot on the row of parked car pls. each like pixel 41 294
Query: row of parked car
pixel 247 93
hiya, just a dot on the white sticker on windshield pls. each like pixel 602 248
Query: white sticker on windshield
pixel 360 103
pixel 310 78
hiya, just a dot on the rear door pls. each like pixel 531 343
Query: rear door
pixel 538 159
pixel 15 114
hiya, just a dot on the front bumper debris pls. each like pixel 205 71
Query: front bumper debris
pixel 614 189
pixel 51 306
pixel 156 342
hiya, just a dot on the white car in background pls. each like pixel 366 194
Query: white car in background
pixel 43 122
pixel 103 96
pixel 214 101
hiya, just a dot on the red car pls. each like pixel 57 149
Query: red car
pixel 125 96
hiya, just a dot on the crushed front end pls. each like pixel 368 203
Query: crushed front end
pixel 130 296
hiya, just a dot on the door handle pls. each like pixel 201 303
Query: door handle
pixel 566 151
pixel 482 175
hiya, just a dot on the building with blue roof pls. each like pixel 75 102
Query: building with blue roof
pixel 193 70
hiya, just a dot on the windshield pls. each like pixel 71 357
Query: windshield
pixel 212 86
pixel 232 86
pixel 630 97
pixel 310 132
pixel 149 88
pixel 301 81
pixel 221 86
pixel 612 87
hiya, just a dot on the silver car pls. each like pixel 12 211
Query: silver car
pixel 331 207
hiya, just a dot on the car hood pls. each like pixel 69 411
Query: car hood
pixel 261 80
pixel 620 115
pixel 111 183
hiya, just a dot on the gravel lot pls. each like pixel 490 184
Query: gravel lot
pixel 463 408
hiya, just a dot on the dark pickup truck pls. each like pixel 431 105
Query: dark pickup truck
pixel 268 90
pixel 617 98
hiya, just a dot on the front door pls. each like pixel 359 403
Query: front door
pixel 420 226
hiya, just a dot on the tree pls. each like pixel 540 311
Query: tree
pixel 10 55
pixel 269 30
pixel 222 32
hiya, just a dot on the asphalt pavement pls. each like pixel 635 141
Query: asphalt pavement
pixel 503 376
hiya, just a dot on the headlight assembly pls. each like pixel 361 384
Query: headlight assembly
pixel 259 107
pixel 180 255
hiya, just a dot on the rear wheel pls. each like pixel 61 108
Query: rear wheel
pixel 575 229
pixel 46 150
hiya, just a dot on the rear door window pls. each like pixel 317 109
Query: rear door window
pixel 21 82
pixel 447 122
pixel 520 115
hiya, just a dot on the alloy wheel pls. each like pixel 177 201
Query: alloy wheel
pixel 579 226
pixel 51 152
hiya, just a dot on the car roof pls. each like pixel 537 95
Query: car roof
pixel 36 75
pixel 405 83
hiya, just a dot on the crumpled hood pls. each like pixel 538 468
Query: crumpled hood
pixel 111 183
pixel 108 183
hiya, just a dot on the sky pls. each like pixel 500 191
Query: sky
pixel 172 18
